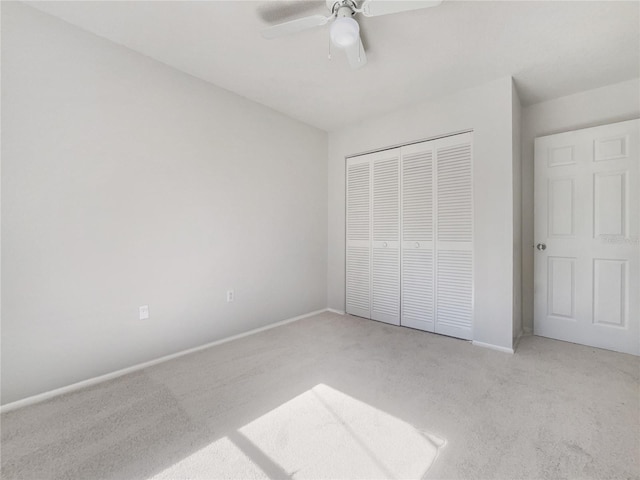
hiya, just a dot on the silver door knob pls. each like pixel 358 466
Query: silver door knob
pixel 541 246
pixel 384 244
pixel 417 244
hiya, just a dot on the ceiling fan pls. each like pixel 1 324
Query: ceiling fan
pixel 344 30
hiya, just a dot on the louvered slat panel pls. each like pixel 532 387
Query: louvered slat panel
pixel 454 237
pixel 417 289
pixel 358 201
pixel 454 194
pixel 358 251
pixel 386 284
pixel 358 279
pixel 454 293
pixel 417 197
pixel 417 237
pixel 385 278
pixel 386 196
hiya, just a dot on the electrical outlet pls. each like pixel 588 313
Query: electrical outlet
pixel 144 312
pixel 230 295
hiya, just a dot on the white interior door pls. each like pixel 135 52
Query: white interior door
pixel 587 262
pixel 385 275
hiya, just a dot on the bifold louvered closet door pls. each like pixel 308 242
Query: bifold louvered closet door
pixel 410 236
pixel 358 251
pixel 418 265
pixel 373 236
pixel 454 236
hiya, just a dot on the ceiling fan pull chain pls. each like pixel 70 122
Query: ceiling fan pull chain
pixel 329 48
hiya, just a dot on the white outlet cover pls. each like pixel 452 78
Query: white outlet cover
pixel 144 312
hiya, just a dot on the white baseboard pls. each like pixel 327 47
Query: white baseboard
pixel 492 347
pixel 118 373
pixel 333 310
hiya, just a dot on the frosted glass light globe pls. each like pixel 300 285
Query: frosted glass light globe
pixel 344 32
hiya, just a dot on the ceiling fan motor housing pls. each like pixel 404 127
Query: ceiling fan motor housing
pixel 342 8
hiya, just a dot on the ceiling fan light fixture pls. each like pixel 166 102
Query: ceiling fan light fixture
pixel 344 32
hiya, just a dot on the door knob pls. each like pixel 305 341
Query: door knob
pixel 541 246
pixel 417 244
pixel 384 244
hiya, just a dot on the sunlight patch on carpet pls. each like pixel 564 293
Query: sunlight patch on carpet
pixel 220 459
pixel 322 433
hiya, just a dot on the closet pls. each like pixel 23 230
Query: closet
pixel 409 236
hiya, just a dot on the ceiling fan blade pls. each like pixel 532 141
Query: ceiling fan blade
pixel 356 55
pixel 374 8
pixel 295 26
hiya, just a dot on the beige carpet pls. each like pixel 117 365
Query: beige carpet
pixel 342 397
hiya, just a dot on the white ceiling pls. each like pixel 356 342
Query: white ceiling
pixel 551 48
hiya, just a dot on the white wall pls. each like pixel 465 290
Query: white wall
pixel 613 103
pixel 488 111
pixel 125 183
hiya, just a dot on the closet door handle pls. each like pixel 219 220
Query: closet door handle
pixel 384 244
pixel 417 244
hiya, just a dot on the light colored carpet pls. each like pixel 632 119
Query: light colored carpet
pixel 341 397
